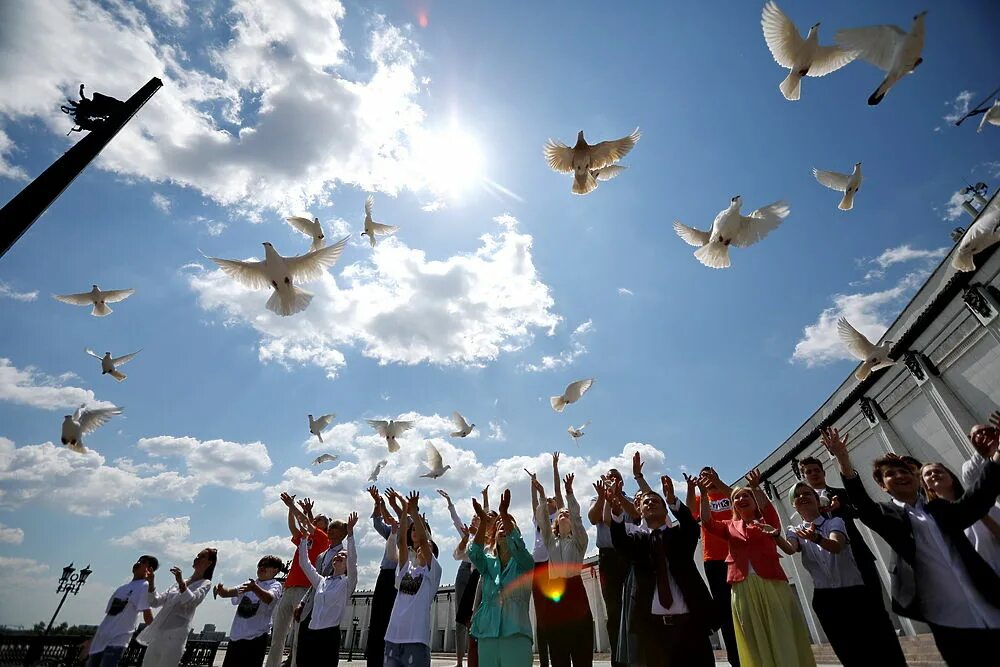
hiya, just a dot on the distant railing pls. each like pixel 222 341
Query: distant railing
pixel 27 650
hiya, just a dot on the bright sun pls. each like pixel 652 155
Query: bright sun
pixel 452 161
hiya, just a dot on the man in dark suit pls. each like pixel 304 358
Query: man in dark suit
pixel 937 577
pixel 671 608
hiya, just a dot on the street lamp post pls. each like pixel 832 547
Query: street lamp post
pixel 71 581
pixel 354 638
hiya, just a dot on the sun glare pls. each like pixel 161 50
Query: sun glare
pixel 452 162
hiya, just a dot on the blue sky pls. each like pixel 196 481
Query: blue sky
pixel 269 112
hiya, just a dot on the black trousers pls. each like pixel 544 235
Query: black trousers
pixel 852 622
pixel 966 647
pixel 383 598
pixel 318 648
pixel 677 642
pixel 571 627
pixel 538 578
pixel 613 570
pixel 246 652
pixel 715 572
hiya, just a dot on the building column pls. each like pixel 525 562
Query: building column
pixel 984 303
pixel 949 408
pixel 449 627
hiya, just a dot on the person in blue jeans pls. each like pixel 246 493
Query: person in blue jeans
pixel 121 616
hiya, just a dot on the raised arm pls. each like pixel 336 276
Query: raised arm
pixel 419 528
pixel 305 524
pixel 378 523
pixel 621 540
pixel 486 498
pixel 763 502
pixel 560 503
pixel 691 498
pixel 576 519
pixel 707 522
pixel 596 513
pixel 455 519
pixel 352 553
pixel 312 574
pixel 289 501
pixel 779 539
pixel 398 504
pixel 637 473
pixel 534 491
pixel 542 519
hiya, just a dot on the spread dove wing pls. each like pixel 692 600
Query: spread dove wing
pixel 323 458
pixel 584 159
pixel 372 228
pixel 991 117
pixel 435 463
pixel 311 228
pixel 463 427
pixel 874 357
pixel 378 468
pixel 887 47
pixel 97 298
pixel 849 184
pixel 573 392
pixel 390 430
pixel 983 233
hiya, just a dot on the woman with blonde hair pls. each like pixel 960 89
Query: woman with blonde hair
pixel 770 629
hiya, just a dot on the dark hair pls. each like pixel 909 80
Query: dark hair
pixel 910 461
pixel 434 548
pixel 810 461
pixel 800 485
pixel 271 561
pixel 150 561
pixel 887 462
pixel 956 483
pixel 338 524
pixel 213 555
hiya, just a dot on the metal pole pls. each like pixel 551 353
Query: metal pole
pixel 26 206
pixel 53 620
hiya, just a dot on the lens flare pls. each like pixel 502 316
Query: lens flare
pixel 552 587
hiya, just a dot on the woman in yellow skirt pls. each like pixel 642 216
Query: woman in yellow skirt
pixel 770 629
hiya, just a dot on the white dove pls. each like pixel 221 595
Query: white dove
pixel 572 394
pixel 96 298
pixel 874 356
pixel 390 430
pixel 323 458
pixel 310 228
pixel 849 184
pixel 280 273
pixel 893 51
pixel 992 115
pixel 583 159
pixel 801 56
pixel 317 426
pixel 464 427
pixel 576 432
pixel 372 228
pixel 609 172
pixel 82 422
pixel 378 468
pixel 983 233
pixel 109 365
pixel 730 227
pixel 435 464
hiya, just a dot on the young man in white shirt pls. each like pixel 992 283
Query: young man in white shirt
pixel 408 637
pixel 255 601
pixel 122 615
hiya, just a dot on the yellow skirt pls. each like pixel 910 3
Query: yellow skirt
pixel 770 630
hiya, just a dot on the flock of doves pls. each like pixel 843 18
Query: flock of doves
pixel 891 49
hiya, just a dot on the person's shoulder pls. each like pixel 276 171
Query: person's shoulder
pixel 835 524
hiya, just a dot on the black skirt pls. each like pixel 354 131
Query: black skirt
pixel 382 600
pixel 572 607
pixel 466 582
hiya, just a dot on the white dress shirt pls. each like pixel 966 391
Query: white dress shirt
pixel 678 605
pixel 565 550
pixel 331 592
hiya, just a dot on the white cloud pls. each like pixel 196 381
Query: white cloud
pixel 906 253
pixel 953 207
pixel 958 106
pixel 566 357
pixel 624 291
pixel 217 462
pixel 10 535
pixel 172 11
pixel 23 566
pixel 161 202
pixel 401 307
pixel 496 431
pixel 7 292
pixel 432 206
pixel 33 388
pixel 8 170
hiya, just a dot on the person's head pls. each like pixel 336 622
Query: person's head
pixel 637 498
pixel 144 565
pixel 551 505
pixel 984 438
pixel 744 504
pixel 805 500
pixel 562 526
pixel 490 526
pixel 813 472
pixel 268 567
pixel 337 532
pixel 321 522
pixel 204 563
pixel 417 540
pixel 714 483
pixel 896 477
pixel 653 509
pixel 474 525
pixel 614 475
pixel 940 482
pixel 914 464
pixel 340 563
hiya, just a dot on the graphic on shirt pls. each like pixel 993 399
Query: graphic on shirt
pixel 247 608
pixel 409 585
pixel 720 505
pixel 117 605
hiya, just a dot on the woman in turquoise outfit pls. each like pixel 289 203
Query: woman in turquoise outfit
pixel 501 625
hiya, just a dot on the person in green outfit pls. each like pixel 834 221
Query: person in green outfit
pixel 501 624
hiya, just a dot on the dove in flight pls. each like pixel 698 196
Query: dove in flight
pixel 730 227
pixel 378 468
pixel 464 427
pixel 280 273
pixel 82 422
pixel 435 464
pixel 992 116
pixel 874 356
pixel 572 394
pixel 317 426
pixel 372 228
pixel 983 233
pixel 390 430
pixel 893 51
pixel 109 365
pixel 576 432
pixel 609 172
pixel 583 159
pixel 96 298
pixel 310 228
pixel 323 458
pixel 802 57
pixel 849 184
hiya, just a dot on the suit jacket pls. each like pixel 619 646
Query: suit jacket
pixel 848 512
pixel 681 541
pixel 893 523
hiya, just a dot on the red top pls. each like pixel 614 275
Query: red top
pixel 320 543
pixel 714 547
pixel 749 547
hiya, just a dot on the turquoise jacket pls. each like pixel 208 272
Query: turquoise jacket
pixel 504 609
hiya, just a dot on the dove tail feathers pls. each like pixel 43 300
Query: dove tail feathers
pixel 863 371
pixel 101 310
pixel 288 303
pixel 791 86
pixel 882 89
pixel 714 255
pixel 587 186
pixel 558 403
pixel 320 436
pixel 847 203
pixel 962 261
pixel 393 445
pixel 118 375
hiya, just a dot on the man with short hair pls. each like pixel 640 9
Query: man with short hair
pixel 121 615
pixel 937 576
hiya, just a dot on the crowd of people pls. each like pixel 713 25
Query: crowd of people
pixel 943 530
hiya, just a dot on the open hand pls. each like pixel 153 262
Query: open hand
pixel 837 446
pixel 767 529
pixel 444 494
pixel 178 575
pixel 352 521
pixel 668 489
pixel 753 478
pixel 637 465
pixel 568 481
pixel 504 502
pixel 288 500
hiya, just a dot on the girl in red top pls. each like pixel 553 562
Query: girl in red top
pixel 770 630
